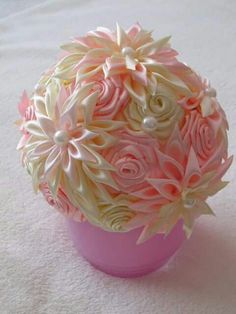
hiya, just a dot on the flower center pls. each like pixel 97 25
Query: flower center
pixel 189 203
pixel 149 124
pixel 128 51
pixel 61 138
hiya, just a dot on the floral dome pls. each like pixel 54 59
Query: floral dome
pixel 119 132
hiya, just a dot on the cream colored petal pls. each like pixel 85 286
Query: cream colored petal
pixel 121 36
pixel 206 106
pixel 80 152
pixel 152 47
pixel 88 105
pixel 47 126
pixel 33 127
pixel 52 161
pixel 99 175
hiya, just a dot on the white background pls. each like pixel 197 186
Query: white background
pixel 40 271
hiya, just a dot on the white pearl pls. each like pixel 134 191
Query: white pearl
pixel 210 92
pixel 61 137
pixel 149 123
pixel 127 51
pixel 189 203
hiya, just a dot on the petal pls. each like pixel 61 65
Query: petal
pixel 153 47
pixel 99 175
pixel 47 126
pixel 206 106
pixel 136 91
pixel 23 104
pixel 44 148
pixel 88 105
pixel 52 161
pixel 140 74
pixel 79 151
pixel 114 66
pixel 170 167
pixel 166 187
pixel 192 172
pixel 121 36
pixel 130 63
pixel 33 127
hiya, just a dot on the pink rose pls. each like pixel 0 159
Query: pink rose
pixel 27 112
pixel 133 160
pixel 112 98
pixel 206 136
pixel 61 203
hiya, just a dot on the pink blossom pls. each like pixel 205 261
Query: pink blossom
pixel 61 203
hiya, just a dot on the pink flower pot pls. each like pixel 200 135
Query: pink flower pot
pixel 118 254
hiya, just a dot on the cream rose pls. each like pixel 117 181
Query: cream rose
pixel 159 117
pixel 115 217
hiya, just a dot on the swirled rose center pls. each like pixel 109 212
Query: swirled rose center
pixel 129 168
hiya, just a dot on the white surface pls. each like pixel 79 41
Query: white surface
pixel 40 271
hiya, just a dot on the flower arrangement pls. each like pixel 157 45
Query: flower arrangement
pixel 122 134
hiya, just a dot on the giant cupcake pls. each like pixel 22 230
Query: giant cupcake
pixel 123 135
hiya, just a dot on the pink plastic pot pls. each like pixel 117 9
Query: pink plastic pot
pixel 117 253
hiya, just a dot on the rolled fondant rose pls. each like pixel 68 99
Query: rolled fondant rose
pixel 205 135
pixel 132 162
pixel 115 217
pixel 112 98
pixel 160 115
pixel 61 203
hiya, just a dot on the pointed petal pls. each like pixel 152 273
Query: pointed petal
pixel 33 127
pixel 79 151
pixel 89 104
pixel 166 187
pixel 192 171
pixel 23 104
pixel 121 36
pixel 47 126
pixel 52 161
pixel 43 148
pixel 206 106
pixel 153 47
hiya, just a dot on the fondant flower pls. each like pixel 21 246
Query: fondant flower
pixel 183 186
pixel 206 135
pixel 112 98
pixel 62 145
pixel 133 159
pixel 61 203
pixel 204 98
pixel 133 55
pixel 115 215
pixel 160 115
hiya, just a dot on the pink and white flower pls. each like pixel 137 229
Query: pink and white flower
pixel 133 55
pixel 61 203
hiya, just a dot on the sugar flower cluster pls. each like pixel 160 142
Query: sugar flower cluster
pixel 119 132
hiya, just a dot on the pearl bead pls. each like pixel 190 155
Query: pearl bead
pixel 149 124
pixel 210 92
pixel 189 203
pixel 128 51
pixel 61 137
